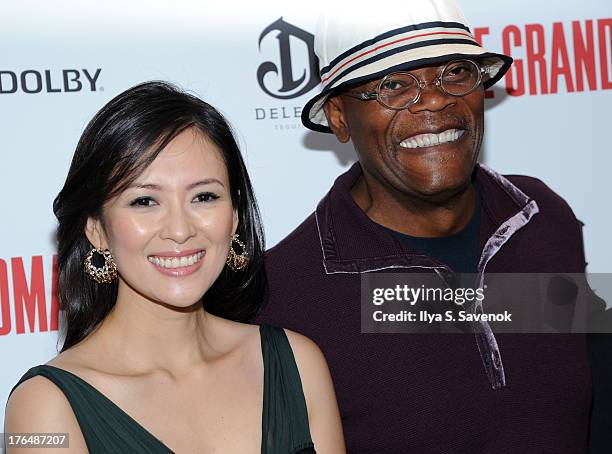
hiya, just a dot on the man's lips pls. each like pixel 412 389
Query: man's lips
pixel 430 139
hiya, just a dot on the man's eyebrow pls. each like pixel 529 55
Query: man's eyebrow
pixel 156 187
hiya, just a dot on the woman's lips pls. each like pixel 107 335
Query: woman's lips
pixel 178 264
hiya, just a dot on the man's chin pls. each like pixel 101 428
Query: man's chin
pixel 442 193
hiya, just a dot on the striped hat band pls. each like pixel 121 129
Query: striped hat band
pixel 401 40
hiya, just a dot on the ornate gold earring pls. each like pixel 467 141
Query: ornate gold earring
pixel 237 262
pixel 102 275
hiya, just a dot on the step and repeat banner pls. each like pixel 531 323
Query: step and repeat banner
pixel 61 61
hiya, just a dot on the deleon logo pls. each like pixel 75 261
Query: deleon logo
pixel 290 86
pixel 49 81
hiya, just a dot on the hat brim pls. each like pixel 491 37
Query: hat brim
pixel 313 116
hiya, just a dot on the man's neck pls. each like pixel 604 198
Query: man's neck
pixel 415 216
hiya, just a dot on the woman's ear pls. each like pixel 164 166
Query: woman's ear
pixel 95 233
pixel 236 219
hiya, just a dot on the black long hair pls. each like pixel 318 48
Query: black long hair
pixel 122 139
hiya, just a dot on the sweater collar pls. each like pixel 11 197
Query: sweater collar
pixel 352 243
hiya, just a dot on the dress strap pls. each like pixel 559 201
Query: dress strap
pixel 105 427
pixel 285 426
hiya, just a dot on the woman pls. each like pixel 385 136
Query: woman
pixel 160 260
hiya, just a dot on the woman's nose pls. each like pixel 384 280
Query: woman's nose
pixel 179 225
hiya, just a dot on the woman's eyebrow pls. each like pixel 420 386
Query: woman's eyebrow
pixel 157 187
pixel 204 182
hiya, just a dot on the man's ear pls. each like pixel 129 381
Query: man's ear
pixel 95 233
pixel 334 111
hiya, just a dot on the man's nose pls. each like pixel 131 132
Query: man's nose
pixel 432 98
pixel 179 224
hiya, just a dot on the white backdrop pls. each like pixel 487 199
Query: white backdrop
pixel 558 129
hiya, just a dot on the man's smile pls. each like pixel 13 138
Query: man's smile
pixel 432 139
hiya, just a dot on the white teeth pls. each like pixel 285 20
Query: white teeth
pixel 428 140
pixel 176 262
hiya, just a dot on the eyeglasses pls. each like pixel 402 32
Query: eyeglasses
pixel 401 89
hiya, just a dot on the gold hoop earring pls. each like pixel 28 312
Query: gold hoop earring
pixel 102 275
pixel 237 262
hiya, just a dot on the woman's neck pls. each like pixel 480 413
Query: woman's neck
pixel 143 336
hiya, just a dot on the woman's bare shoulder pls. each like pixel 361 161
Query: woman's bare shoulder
pixel 231 334
pixel 37 405
pixel 323 413
pixel 306 351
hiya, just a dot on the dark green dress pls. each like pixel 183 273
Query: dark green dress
pixel 108 429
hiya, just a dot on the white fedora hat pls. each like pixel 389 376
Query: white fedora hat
pixel 356 44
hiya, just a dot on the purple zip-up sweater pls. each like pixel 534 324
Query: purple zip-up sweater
pixel 428 393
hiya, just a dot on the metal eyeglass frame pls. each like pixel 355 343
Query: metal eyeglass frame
pixel 374 95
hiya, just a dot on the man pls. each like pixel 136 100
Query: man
pixel 405 83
